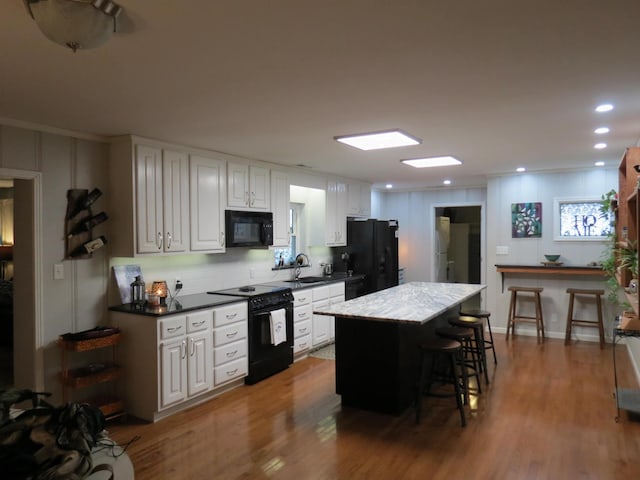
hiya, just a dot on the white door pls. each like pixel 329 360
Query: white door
pixel 173 367
pixel 200 363
pixel 175 191
pixel 149 230
pixel 208 187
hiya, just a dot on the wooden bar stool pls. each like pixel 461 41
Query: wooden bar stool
pixel 515 317
pixel 470 356
pixel 431 351
pixel 573 292
pixel 477 325
pixel 482 314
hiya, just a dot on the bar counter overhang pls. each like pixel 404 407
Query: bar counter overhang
pixel 377 338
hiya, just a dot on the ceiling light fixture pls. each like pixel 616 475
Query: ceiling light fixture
pixel 521 169
pixel 427 162
pixel 379 140
pixel 447 182
pixel 599 164
pixel 600 146
pixel 388 185
pixel 601 130
pixel 605 107
pixel 77 24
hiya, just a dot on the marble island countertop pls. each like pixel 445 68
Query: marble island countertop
pixel 415 302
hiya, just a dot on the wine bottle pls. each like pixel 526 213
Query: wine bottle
pixel 85 202
pixel 89 247
pixel 87 224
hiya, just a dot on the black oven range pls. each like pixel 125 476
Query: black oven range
pixel 267 355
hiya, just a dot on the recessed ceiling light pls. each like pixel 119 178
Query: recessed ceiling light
pixel 432 161
pixel 388 185
pixel 521 169
pixel 378 140
pixel 601 130
pixel 605 107
pixel 600 146
pixel 447 182
pixel 599 164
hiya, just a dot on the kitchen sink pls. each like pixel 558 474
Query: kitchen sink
pixel 308 280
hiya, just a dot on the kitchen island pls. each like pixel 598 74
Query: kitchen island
pixel 377 337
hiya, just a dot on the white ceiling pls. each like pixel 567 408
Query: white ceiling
pixel 498 84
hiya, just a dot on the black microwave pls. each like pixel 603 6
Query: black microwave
pixel 248 229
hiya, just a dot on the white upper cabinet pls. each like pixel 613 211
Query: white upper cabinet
pixel 248 187
pixel 336 213
pixel 208 190
pixel 280 208
pixel 162 200
pixel 359 200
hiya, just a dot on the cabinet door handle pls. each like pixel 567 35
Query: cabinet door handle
pixel 302 330
pixel 253 198
pixel 232 372
pixel 302 314
pixel 174 329
pixel 169 240
pixel 159 241
pixel 193 347
pixel 222 239
pixel 198 324
pixel 184 348
pixel 231 335
pixel 231 315
pixel 303 299
pixel 246 197
pixel 302 345
pixel 232 354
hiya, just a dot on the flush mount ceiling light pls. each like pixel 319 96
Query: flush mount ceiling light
pixel 605 107
pixel 601 130
pixel 77 24
pixel 521 169
pixel 379 140
pixel 432 162
pixel 600 146
pixel 599 163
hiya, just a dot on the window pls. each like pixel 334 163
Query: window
pixel 580 219
pixel 288 254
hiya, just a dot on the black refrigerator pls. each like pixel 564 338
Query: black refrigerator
pixel 372 250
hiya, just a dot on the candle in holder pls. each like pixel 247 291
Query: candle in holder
pixel 153 299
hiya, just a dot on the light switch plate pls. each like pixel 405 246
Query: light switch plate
pixel 58 271
pixel 502 250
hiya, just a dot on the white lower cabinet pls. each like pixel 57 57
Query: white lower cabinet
pixel 175 361
pixel 302 321
pixel 230 347
pixel 321 325
pixel 336 295
pixel 186 361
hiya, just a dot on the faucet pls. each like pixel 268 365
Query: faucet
pixel 301 261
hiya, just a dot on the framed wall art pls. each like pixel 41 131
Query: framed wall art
pixel 526 220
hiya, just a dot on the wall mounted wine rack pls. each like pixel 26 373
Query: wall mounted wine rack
pixel 79 223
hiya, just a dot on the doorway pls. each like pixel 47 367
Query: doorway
pixel 458 244
pixel 26 279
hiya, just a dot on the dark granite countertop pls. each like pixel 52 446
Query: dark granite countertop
pixel 181 304
pixel 322 280
pixel 199 301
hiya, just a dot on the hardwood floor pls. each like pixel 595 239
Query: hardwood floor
pixel 549 413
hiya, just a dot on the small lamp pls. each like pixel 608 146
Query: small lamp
pixel 160 289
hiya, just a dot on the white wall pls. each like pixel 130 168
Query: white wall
pixel 415 214
pixel 414 211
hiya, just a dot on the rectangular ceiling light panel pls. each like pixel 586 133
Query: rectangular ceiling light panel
pixel 378 140
pixel 432 162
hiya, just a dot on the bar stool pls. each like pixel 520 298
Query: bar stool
pixel 573 292
pixel 514 317
pixel 470 358
pixel 482 314
pixel 477 326
pixel 432 350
